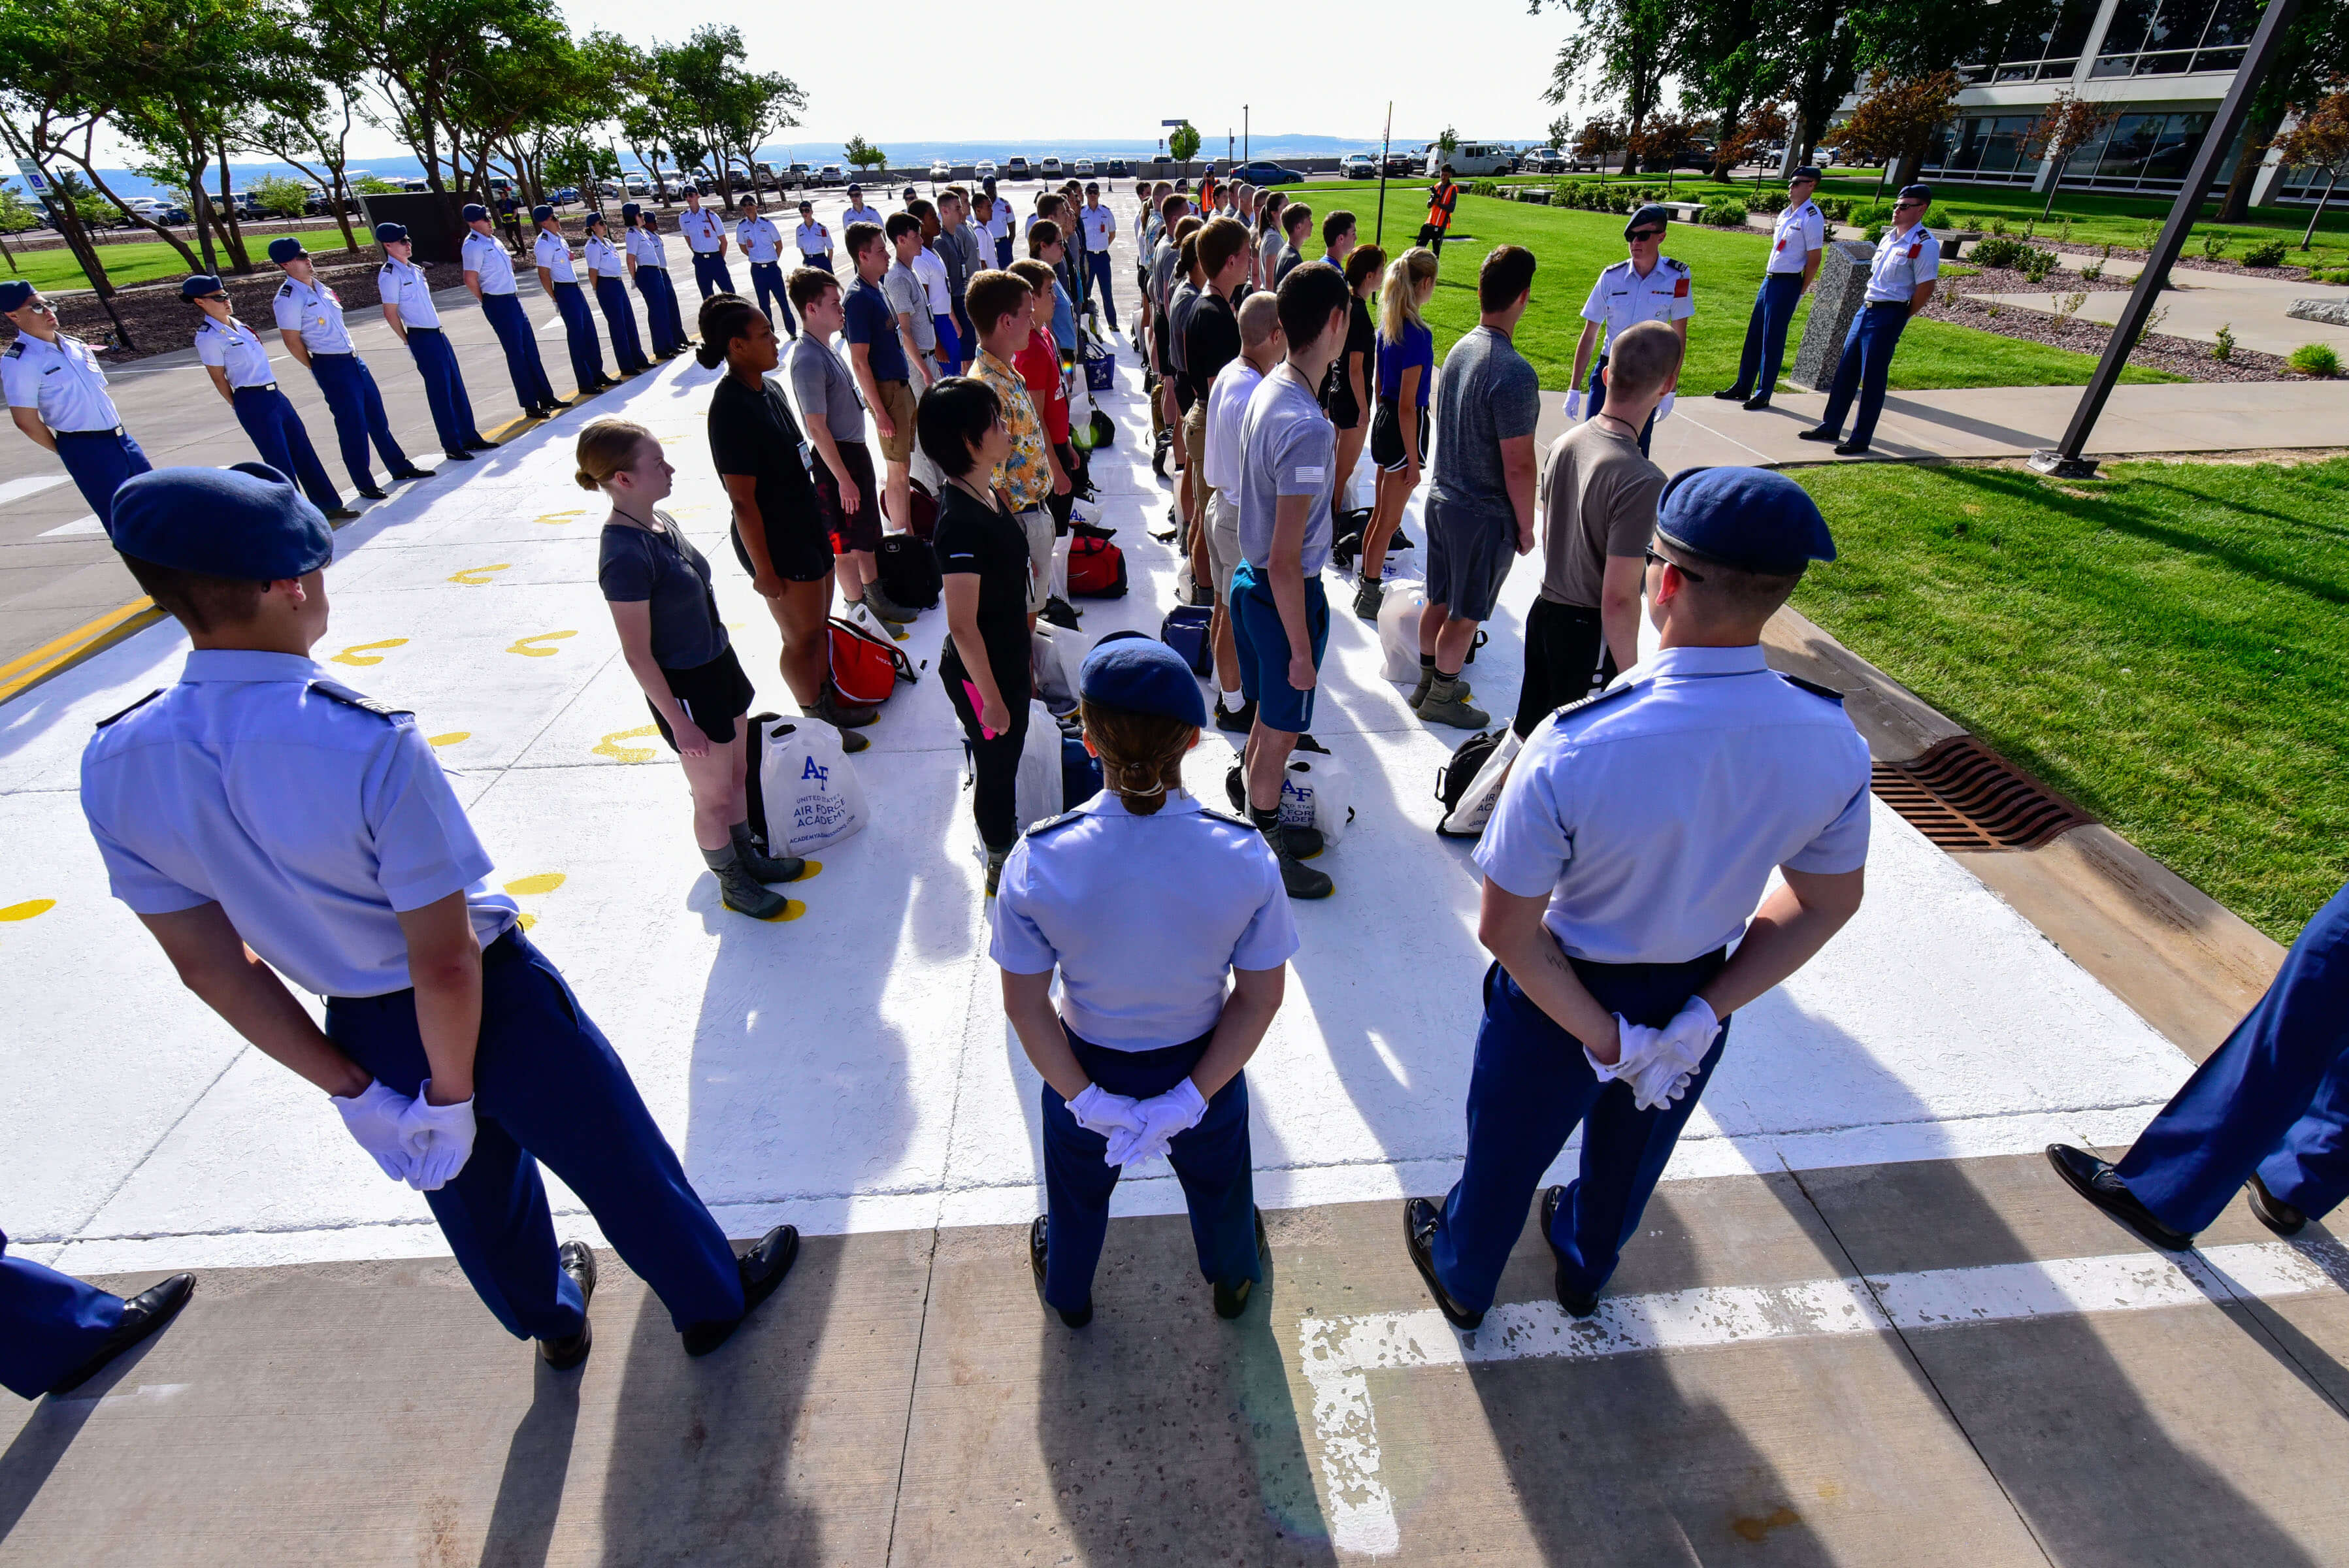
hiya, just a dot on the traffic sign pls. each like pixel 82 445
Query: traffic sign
pixel 35 179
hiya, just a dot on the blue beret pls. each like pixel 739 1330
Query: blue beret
pixel 248 523
pixel 15 295
pixel 199 284
pixel 1757 519
pixel 1650 213
pixel 474 213
pixel 1918 193
pixel 1141 675
pixel 630 210
pixel 390 233
pixel 286 248
pixel 1807 171
pixel 592 220
pixel 541 213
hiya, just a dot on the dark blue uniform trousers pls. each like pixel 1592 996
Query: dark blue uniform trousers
pixel 1765 332
pixel 1867 361
pixel 50 1323
pixel 767 278
pixel 546 1086
pixel 2274 1099
pixel 100 460
pixel 1599 401
pixel 1529 1089
pixel 278 434
pixel 710 272
pixel 520 341
pixel 579 332
pixel 444 389
pixel 1211 1162
pixel 357 407
pixel 620 319
pixel 1097 271
pixel 660 309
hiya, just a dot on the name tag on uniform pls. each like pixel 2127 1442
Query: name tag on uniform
pixel 1312 476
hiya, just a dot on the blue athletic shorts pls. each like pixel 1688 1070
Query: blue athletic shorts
pixel 1264 649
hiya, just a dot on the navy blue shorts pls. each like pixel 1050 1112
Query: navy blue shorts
pixel 1264 649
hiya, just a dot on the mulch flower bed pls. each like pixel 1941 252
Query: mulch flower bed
pixel 2154 351
pixel 160 321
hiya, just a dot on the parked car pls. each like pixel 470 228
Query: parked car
pixel 798 174
pixel 1049 168
pixel 1360 166
pixel 1084 170
pixel 1118 169
pixel 563 195
pixel 1543 160
pixel 1262 171
pixel 941 169
pixel 834 174
pixel 1471 159
pixel 1016 169
pixel 1401 163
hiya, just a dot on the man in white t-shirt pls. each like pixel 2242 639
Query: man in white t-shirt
pixel 1262 346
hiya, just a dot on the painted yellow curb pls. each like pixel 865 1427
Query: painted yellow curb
pixel 59 652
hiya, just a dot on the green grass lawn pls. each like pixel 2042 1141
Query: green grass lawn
pixel 55 270
pixel 1725 267
pixel 2169 648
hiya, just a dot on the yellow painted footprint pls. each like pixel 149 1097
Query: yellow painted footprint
pixel 28 909
pixel 478 576
pixel 610 745
pixel 792 909
pixel 363 653
pixel 560 517
pixel 454 737
pixel 525 648
pixel 533 885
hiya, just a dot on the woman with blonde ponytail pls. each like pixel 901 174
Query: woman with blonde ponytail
pixel 1399 423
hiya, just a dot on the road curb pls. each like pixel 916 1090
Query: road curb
pixel 25 671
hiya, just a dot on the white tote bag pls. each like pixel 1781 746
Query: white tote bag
pixel 1319 793
pixel 1467 819
pixel 809 788
pixel 1398 615
pixel 1038 789
pixel 1060 655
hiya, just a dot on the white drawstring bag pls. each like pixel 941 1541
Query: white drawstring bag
pixel 1061 566
pixel 1038 789
pixel 1060 655
pixel 1398 615
pixel 1467 819
pixel 1319 793
pixel 808 790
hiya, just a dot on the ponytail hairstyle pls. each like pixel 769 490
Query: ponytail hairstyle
pixel 724 318
pixel 1141 753
pixel 606 446
pixel 1411 272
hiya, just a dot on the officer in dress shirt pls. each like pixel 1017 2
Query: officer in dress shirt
pixel 1143 1059
pixel 1795 246
pixel 705 236
pixel 858 213
pixel 763 247
pixel 1633 840
pixel 1899 283
pixel 258 803
pixel 648 265
pixel 57 393
pixel 490 276
pixel 1647 287
pixel 407 306
pixel 239 364
pixel 551 252
pixel 607 274
pixel 813 239
pixel 310 319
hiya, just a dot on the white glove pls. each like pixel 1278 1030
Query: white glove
pixel 1636 1046
pixel 1574 404
pixel 373 1116
pixel 440 1138
pixel 1161 1117
pixel 1692 1030
pixel 1679 1051
pixel 1664 408
pixel 1098 1111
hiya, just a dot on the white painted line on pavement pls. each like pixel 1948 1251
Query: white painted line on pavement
pixel 86 523
pixel 1336 1353
pixel 33 484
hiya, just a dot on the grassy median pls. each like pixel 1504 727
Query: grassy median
pixel 55 270
pixel 2169 647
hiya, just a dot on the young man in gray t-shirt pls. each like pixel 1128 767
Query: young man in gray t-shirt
pixel 901 287
pixel 1480 498
pixel 834 418
pixel 1280 618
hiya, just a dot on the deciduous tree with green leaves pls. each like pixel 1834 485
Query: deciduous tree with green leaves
pixel 2318 140
pixel 1625 47
pixel 1182 145
pixel 2069 124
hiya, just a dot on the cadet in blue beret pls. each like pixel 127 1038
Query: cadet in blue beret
pixel 490 275
pixel 560 278
pixel 647 259
pixel 607 275
pixel 1796 243
pixel 240 367
pixel 1142 1058
pixel 310 319
pixel 1900 285
pixel 260 803
pixel 57 395
pixel 1628 851
pixel 408 307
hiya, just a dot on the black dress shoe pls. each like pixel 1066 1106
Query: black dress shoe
pixel 1577 1302
pixel 2276 1214
pixel 1851 449
pixel 1231 1300
pixel 480 444
pixel 1730 395
pixel 142 1315
pixel 1082 1314
pixel 577 1260
pixel 454 456
pixel 341 513
pixel 411 472
pixel 1819 433
pixel 1420 1219
pixel 373 495
pixel 762 1269
pixel 1756 403
pixel 2095 1180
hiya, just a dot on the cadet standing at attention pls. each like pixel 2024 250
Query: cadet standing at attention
pixel 57 1333
pixel 1795 247
pixel 606 274
pixel 490 276
pixel 705 236
pixel 407 306
pixel 310 319
pixel 57 393
pixel 233 352
pixel 1900 285
pixel 813 239
pixel 1143 1059
pixel 1633 840
pixel 648 265
pixel 763 247
pixel 259 804
pixel 556 275
pixel 1648 286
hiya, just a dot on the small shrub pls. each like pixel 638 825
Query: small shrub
pixel 1870 212
pixel 1837 208
pixel 2315 359
pixel 2223 344
pixel 2214 244
pixel 1483 188
pixel 2147 233
pixel 1619 199
pixel 2064 231
pixel 2093 272
pixel 2153 320
pixel 1766 201
pixel 1725 212
pixel 2036 264
pixel 1998 227
pixel 2070 303
pixel 1872 234
pixel 2266 254
pixel 1997 251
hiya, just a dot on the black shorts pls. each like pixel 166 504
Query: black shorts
pixel 1386 434
pixel 713 696
pixel 861 530
pixel 801 548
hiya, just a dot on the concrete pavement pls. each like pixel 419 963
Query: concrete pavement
pixel 2198 302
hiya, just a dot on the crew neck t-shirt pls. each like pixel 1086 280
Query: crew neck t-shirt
pixel 1489 395
pixel 1596 497
pixel 903 287
pixel 753 433
pixel 1363 338
pixel 1287 448
pixel 871 321
pixel 1211 341
pixel 665 571
pixel 990 544
pixel 823 385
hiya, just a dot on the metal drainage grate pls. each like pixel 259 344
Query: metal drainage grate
pixel 1964 796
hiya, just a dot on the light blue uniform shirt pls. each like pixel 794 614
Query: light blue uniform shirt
pixel 552 251
pixel 646 247
pixel 316 312
pixel 871 215
pixel 1653 816
pixel 486 258
pixel 1900 263
pixel 704 234
pixel 760 239
pixel 236 349
pixel 1144 917
pixel 403 284
pixel 1799 232
pixel 312 821
pixel 1064 318
pixel 63 379
pixel 603 259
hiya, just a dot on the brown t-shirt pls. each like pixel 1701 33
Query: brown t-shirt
pixel 1598 498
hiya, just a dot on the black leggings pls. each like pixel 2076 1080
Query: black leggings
pixel 995 794
pixel 1567 659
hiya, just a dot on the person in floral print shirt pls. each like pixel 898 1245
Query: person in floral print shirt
pixel 1001 308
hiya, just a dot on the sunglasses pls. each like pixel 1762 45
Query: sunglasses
pixel 1904 206
pixel 1656 560
pixel 1637 235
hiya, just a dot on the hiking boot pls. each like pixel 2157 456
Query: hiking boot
pixel 1447 703
pixel 1418 691
pixel 1368 597
pixel 861 612
pixel 886 608
pixel 1238 720
pixel 741 892
pixel 1297 879
pixel 839 712
pixel 767 868
pixel 995 858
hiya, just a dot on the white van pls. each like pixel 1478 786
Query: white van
pixel 1471 159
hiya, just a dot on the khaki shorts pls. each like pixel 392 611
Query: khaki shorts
pixel 897 402
pixel 1195 449
pixel 1223 541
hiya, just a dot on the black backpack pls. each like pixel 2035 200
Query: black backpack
pixel 909 571
pixel 1468 759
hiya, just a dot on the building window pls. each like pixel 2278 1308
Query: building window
pixel 2167 37
pixel 2038 53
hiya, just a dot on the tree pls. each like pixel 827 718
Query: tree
pixel 308 121
pixel 1897 117
pixel 2320 139
pixel 1562 131
pixel 17 214
pixel 1183 143
pixel 2070 123
pixel 52 67
pixel 728 109
pixel 1598 137
pixel 1820 53
pixel 1625 46
pixel 1447 142
pixel 1725 63
pixel 275 193
pixel 2314 52
pixel 1762 128
pixel 1660 142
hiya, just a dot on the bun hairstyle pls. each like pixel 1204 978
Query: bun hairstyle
pixel 724 318
pixel 605 447
pixel 1141 753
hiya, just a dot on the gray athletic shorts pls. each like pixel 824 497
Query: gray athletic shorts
pixel 1468 558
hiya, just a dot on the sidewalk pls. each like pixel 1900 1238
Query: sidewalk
pixel 2198 302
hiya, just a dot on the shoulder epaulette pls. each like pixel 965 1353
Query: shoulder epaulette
pixel 1676 266
pixel 1227 817
pixel 15 350
pixel 286 287
pixel 1594 700
pixel 1036 830
pixel 134 707
pixel 350 698
pixel 1813 688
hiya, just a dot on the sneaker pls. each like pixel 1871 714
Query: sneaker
pixel 1447 703
pixel 1368 597
pixel 1239 720
pixel 886 608
pixel 742 893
